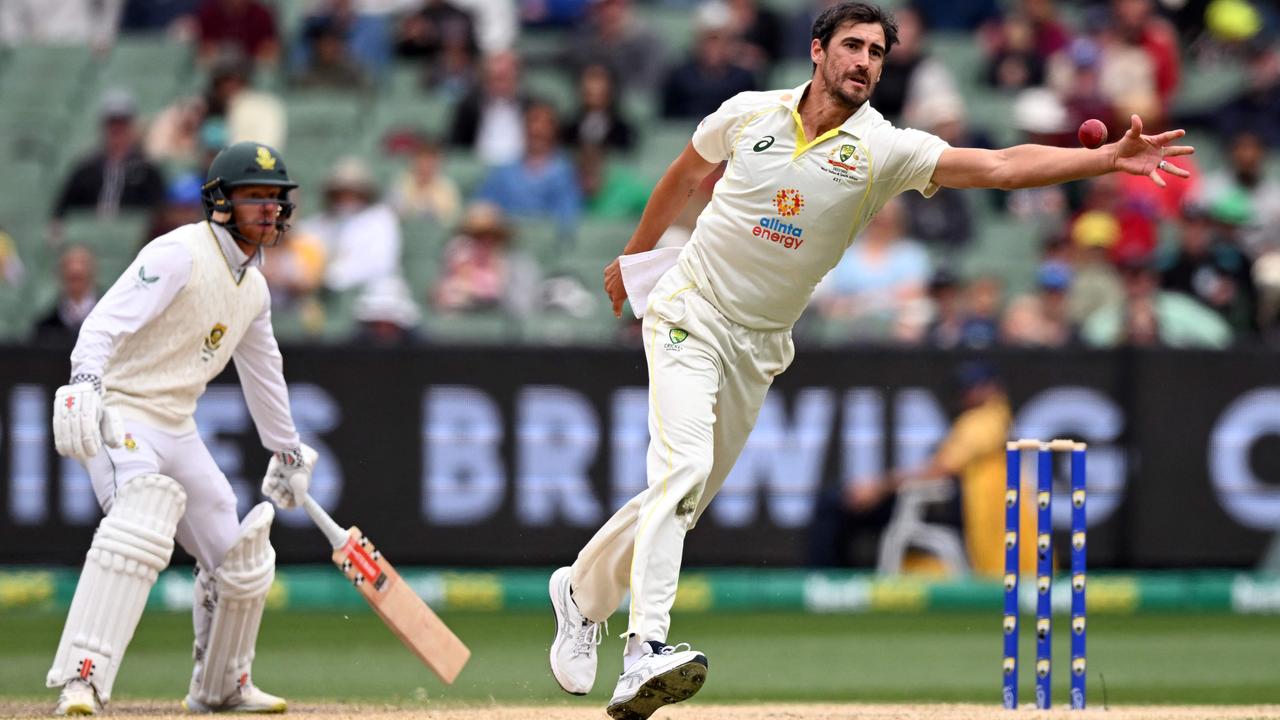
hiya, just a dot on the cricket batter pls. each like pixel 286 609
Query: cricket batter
pixel 191 301
pixel 806 170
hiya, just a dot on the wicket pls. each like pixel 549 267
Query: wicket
pixel 1044 569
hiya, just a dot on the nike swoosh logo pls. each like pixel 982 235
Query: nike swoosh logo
pixel 142 275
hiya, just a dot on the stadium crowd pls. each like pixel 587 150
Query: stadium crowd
pixel 469 166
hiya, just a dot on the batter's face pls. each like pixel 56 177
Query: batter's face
pixel 850 64
pixel 255 209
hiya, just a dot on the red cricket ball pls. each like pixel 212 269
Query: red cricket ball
pixel 1092 133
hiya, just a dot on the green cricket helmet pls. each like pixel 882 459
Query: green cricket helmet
pixel 241 165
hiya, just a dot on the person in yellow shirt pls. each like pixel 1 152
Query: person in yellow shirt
pixel 973 453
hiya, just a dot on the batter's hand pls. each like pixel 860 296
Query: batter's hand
pixel 1139 154
pixel 613 286
pixel 289 476
pixel 80 423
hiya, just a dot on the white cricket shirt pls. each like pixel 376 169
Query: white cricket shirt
pixel 787 207
pixel 189 303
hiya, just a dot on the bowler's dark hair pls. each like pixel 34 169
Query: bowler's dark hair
pixel 856 13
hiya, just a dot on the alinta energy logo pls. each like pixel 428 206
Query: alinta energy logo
pixel 788 202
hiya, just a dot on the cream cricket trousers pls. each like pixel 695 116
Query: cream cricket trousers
pixel 707 380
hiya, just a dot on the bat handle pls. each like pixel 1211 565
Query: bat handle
pixel 332 531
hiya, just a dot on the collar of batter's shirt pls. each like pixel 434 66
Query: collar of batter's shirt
pixel 855 125
pixel 236 259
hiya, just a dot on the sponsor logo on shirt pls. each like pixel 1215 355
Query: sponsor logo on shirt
pixel 212 342
pixel 142 276
pixel 765 143
pixel 788 202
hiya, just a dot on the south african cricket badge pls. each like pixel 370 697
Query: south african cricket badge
pixel 212 342
pixel 129 443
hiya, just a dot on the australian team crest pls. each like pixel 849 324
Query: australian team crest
pixel 212 342
pixel 842 161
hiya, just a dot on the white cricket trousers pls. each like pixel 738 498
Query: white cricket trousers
pixel 210 525
pixel 707 380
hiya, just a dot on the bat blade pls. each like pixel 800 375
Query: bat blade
pixel 417 626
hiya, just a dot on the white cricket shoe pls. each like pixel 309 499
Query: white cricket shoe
pixel 248 699
pixel 665 675
pixel 573 652
pixel 78 698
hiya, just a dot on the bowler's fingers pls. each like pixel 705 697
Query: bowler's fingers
pixel 1135 126
pixel 1155 178
pixel 1176 150
pixel 1175 170
pixel 617 308
pixel 1165 138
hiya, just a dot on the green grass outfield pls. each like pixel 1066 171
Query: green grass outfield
pixel 309 657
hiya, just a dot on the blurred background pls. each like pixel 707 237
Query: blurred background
pixel 467 169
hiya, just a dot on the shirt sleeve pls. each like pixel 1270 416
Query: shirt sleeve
pixel 145 289
pixel 972 435
pixel 714 136
pixel 910 161
pixel 261 371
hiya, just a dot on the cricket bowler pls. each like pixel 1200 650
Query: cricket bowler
pixel 191 301
pixel 806 170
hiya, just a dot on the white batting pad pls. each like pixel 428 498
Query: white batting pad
pixel 239 590
pixel 132 545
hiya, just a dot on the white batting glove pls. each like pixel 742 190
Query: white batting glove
pixel 80 423
pixel 289 476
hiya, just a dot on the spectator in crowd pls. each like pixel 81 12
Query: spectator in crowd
pixel 710 75
pixel 235 112
pixel 1050 34
pixel 542 183
pixel 946 324
pixel 1149 317
pixel 172 16
pixel 174 135
pixel 363 30
pixel 951 16
pixel 361 234
pixel 1015 62
pixel 608 191
pixel 1073 73
pixel 329 65
pixel 983 299
pixel 481 271
pixel 972 453
pixel 248 26
pixel 423 191
pixel 1041 319
pixel 425 33
pixel 488 121
pixel 1136 217
pixel 615 36
pixel 1096 283
pixel 759 35
pixel 442 36
pixel 294 269
pixel 1209 267
pixel 41 22
pixel 11 268
pixel 599 120
pixel 1255 108
pixel 77 278
pixel 1042 118
pixel 1246 178
pixel 943 222
pixel 912 76
pixel 880 274
pixel 116 175
pixel 182 205
pixel 1135 25
pixel 386 314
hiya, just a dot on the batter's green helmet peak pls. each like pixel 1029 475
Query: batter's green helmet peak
pixel 249 163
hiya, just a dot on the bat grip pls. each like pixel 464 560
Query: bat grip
pixel 332 531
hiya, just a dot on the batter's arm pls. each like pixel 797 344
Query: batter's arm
pixel 666 201
pixel 1025 166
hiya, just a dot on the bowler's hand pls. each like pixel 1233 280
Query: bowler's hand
pixel 613 286
pixel 1139 154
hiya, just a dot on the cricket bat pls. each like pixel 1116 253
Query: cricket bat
pixel 420 629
